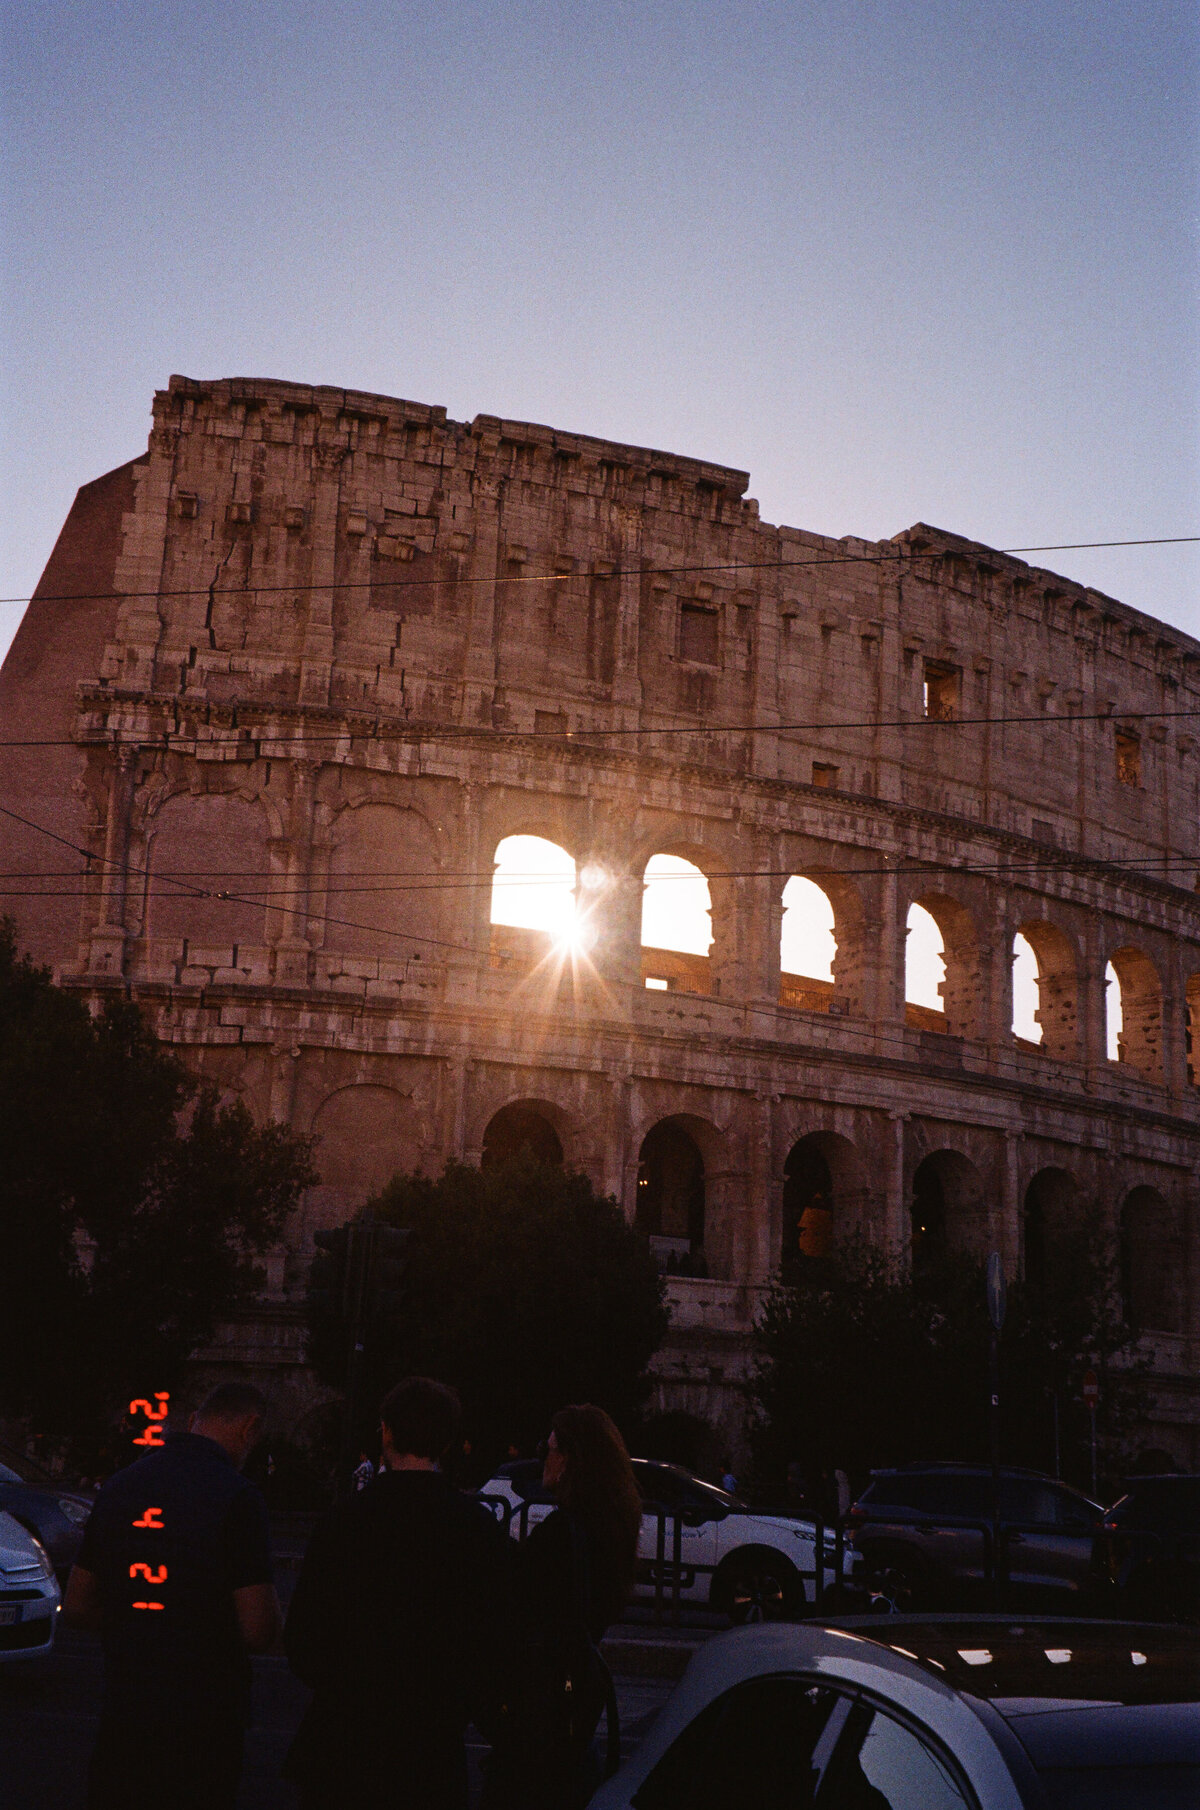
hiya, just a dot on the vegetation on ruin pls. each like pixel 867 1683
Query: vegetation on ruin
pixel 522 1286
pixel 859 1369
pixel 133 1207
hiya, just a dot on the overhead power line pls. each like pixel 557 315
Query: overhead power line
pixel 891 556
pixel 253 736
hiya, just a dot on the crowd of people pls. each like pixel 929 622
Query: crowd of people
pixel 414 1615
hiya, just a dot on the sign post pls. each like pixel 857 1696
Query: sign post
pixel 997 1301
pixel 1091 1395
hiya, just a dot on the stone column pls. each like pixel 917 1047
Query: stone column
pixel 897 1226
pixel 106 955
pixel 1006 1215
pixel 293 948
pixel 316 663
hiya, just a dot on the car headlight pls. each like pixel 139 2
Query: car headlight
pixel 43 1556
pixel 75 1512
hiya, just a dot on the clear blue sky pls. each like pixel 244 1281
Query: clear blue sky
pixel 914 260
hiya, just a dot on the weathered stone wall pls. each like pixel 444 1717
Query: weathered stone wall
pixel 354 645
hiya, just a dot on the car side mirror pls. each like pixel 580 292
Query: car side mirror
pixel 693 1515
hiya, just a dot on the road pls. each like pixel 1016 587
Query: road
pixel 48 1720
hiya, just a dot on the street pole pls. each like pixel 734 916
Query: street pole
pixel 997 1300
pixel 358 1271
pixel 1091 1395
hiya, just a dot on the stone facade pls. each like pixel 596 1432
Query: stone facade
pixel 295 673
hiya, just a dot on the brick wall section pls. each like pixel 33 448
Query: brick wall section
pixel 59 644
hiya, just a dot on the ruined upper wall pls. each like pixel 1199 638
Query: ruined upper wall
pixel 297 547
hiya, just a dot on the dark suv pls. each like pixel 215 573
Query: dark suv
pixel 1148 1553
pixel 924 1532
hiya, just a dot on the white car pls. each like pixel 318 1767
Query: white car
pixel 750 1566
pixel 29 1595
pixel 927 1713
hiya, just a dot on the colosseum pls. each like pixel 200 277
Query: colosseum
pixel 441 787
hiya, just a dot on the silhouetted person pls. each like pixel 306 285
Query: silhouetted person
pixel 398 1624
pixel 574 1574
pixel 175 1572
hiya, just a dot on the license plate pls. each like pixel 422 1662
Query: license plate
pixel 9 1613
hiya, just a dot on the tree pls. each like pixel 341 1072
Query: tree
pixel 132 1206
pixel 859 1368
pixel 522 1287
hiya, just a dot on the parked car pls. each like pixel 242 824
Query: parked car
pixel 1148 1551
pixel 29 1595
pixel 747 1565
pixel 55 1516
pixel 924 1532
pixel 916 1713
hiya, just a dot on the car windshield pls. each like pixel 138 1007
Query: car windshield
pixel 671 1485
pixel 17 1469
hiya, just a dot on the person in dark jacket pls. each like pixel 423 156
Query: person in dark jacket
pixel 175 1572
pixel 574 1575
pixel 398 1624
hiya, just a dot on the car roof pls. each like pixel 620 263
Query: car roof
pixel 841 1654
pixel 953 1468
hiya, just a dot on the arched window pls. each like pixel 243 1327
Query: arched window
pixel 924 962
pixel 1113 1015
pixel 942 974
pixel 1048 1217
pixel 1045 988
pixel 1026 977
pixel 1134 1012
pixel 807 947
pixel 533 901
pixel 521 1130
pixel 948 1213
pixel 670 1198
pixel 676 926
pixel 808 1207
pixel 928 1219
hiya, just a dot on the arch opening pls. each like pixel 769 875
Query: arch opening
pixel 1044 989
pixel 924 971
pixel 1047 1215
pixel 808 1207
pixel 942 976
pixel 1133 1013
pixel 947 1213
pixel 1026 992
pixel 520 1130
pixel 1152 1259
pixel 670 1198
pixel 808 947
pixel 677 932
pixel 534 905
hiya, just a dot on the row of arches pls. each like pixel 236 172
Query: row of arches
pixel 212 875
pixel 823 1194
pixel 536 887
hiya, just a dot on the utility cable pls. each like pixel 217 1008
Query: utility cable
pixel 891 556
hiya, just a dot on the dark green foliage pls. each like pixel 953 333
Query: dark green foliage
pixel 132 1206
pixel 859 1370
pixel 521 1286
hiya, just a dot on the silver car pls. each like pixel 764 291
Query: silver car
pixel 915 1713
pixel 29 1595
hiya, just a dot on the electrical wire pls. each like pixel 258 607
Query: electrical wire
pixel 893 555
pixel 168 741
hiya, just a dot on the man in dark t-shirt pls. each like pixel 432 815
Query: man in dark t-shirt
pixel 398 1624
pixel 175 1572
